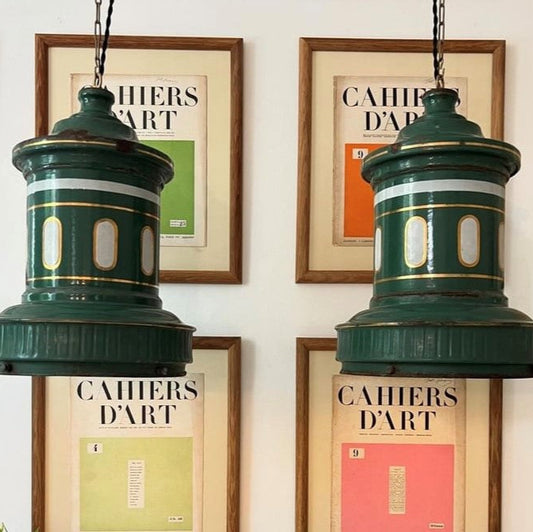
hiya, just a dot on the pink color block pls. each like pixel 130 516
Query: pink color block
pixel 429 488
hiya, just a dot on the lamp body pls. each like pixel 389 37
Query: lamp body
pixel 438 306
pixel 91 305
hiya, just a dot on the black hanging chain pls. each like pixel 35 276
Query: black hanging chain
pixel 438 42
pixel 100 49
pixel 435 39
pixel 106 37
pixel 97 45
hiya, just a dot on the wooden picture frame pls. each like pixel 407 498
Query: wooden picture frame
pixel 315 365
pixel 216 184
pixel 480 64
pixel 219 359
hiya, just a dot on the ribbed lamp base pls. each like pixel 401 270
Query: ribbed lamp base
pixel 463 340
pixel 93 339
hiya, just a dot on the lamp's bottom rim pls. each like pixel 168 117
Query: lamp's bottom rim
pixel 93 369
pixel 425 369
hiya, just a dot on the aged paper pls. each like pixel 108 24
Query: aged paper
pixel 398 454
pixel 369 113
pixel 476 67
pixel 168 113
pixel 137 454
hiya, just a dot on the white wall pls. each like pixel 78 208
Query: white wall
pixel 268 310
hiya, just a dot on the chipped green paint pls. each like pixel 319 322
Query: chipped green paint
pixel 438 307
pixel 91 305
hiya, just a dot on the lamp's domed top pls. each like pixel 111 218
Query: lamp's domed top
pixel 441 131
pixel 440 119
pixel 95 117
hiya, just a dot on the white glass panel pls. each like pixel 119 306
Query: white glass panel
pixel 52 230
pixel 377 249
pixel 147 251
pixel 105 244
pixel 469 241
pixel 501 245
pixel 416 240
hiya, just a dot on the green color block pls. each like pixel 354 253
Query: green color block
pixel 106 493
pixel 177 198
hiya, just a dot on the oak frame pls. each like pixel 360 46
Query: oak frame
pixel 304 346
pixel 233 347
pixel 43 44
pixel 308 46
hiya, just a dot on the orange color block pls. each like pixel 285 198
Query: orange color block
pixel 358 194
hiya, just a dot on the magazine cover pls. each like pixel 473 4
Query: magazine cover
pixel 137 454
pixel 168 113
pixel 369 113
pixel 398 454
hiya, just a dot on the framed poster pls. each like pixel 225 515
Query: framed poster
pixel 320 449
pixel 103 448
pixel 354 96
pixel 183 96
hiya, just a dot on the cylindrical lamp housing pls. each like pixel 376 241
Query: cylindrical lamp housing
pixel 438 307
pixel 91 305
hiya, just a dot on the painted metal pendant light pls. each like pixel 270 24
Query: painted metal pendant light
pixel 438 307
pixel 91 304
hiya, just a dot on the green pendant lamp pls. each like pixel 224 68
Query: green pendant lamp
pixel 91 304
pixel 438 307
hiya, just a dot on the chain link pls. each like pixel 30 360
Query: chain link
pixel 438 42
pixel 440 46
pixel 97 45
